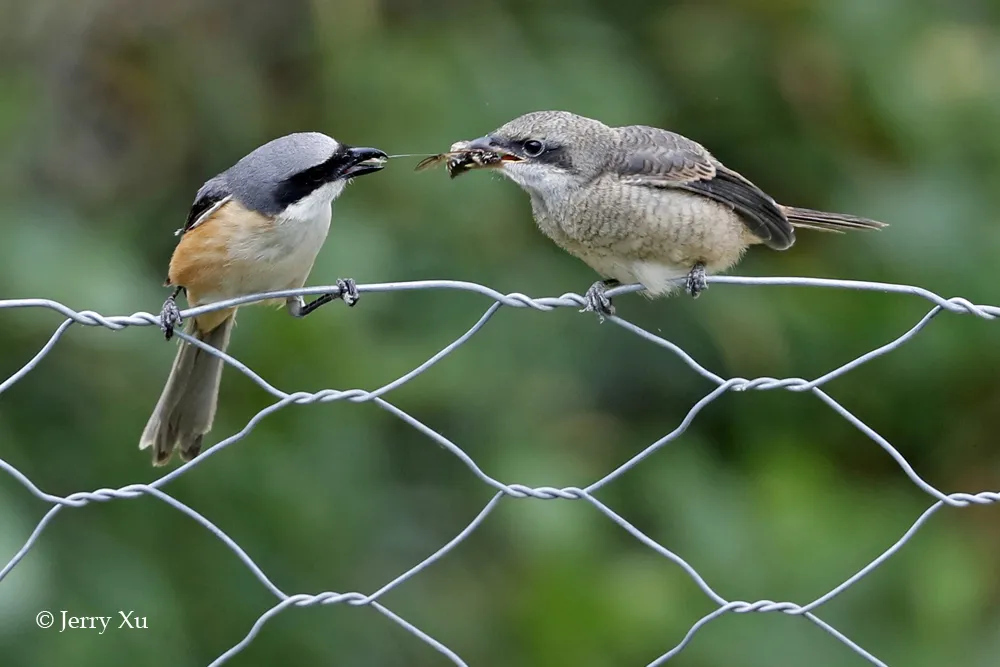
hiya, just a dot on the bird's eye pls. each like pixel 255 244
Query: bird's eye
pixel 533 148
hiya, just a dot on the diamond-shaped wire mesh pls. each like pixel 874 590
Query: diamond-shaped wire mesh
pixel 723 385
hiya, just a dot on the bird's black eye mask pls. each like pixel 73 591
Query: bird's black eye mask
pixel 541 151
pixel 342 164
pixel 305 182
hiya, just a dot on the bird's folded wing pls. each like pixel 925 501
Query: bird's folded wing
pixel 655 158
pixel 210 198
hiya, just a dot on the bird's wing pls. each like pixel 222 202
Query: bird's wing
pixel 655 158
pixel 210 198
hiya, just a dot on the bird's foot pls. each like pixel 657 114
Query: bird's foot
pixel 598 300
pixel 696 283
pixel 170 316
pixel 347 290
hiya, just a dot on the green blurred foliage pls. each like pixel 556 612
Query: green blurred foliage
pixel 113 112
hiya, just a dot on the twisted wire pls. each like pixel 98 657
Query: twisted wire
pixel 954 305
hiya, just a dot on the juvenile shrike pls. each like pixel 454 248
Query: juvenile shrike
pixel 637 203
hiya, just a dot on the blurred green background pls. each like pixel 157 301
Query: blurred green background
pixel 112 114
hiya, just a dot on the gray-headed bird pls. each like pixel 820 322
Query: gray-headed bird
pixel 637 203
pixel 256 227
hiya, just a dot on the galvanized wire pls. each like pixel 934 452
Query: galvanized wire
pixel 516 300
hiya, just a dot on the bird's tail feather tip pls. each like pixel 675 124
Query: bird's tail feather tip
pixel 161 454
pixel 191 449
pixel 808 218
pixel 186 407
pixel 164 445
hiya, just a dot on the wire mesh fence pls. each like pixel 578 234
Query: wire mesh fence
pixel 808 611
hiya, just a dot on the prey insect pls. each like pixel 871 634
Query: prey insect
pixel 460 161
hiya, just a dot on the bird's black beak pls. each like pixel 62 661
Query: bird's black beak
pixel 359 161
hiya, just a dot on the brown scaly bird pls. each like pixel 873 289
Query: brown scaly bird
pixel 637 203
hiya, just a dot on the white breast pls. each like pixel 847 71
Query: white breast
pixel 301 229
pixel 315 205
pixel 282 256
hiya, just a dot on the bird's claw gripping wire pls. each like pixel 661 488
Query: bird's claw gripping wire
pixel 597 299
pixel 347 290
pixel 696 283
pixel 170 315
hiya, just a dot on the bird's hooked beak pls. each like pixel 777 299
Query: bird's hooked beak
pixel 487 144
pixel 359 161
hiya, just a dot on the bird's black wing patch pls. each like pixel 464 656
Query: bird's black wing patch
pixel 210 198
pixel 757 211
pixel 651 157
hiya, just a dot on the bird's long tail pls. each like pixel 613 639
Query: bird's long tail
pixel 186 408
pixel 807 218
